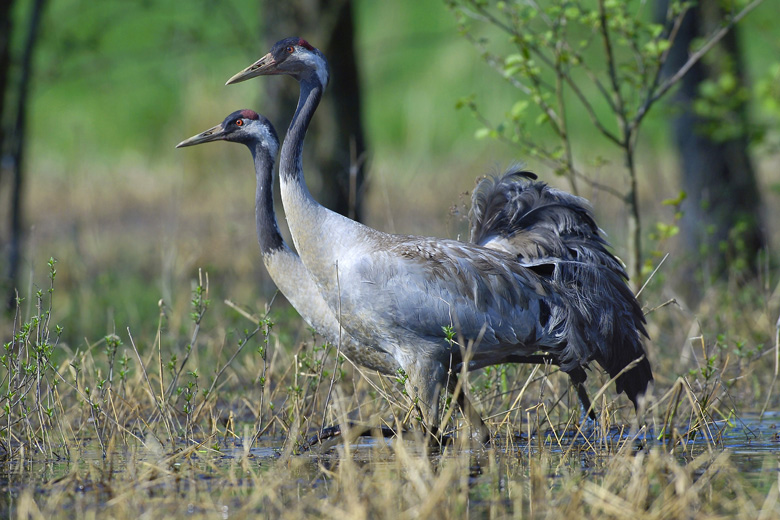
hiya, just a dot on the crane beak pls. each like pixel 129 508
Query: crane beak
pixel 212 134
pixel 265 66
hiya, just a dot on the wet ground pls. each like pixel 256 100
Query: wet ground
pixel 753 445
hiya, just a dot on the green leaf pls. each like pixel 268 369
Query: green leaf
pixel 677 200
pixel 518 109
pixel 727 83
pixel 514 59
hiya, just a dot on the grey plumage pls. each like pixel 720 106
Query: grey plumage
pixel 282 263
pixel 396 293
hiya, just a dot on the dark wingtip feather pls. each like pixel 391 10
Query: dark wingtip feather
pixel 635 382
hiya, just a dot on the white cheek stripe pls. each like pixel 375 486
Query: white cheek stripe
pixel 261 131
pixel 319 65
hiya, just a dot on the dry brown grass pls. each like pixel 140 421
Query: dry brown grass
pixel 98 444
pixel 126 447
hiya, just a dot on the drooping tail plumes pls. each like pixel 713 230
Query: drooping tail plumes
pixel 607 310
pixel 555 234
pixel 533 221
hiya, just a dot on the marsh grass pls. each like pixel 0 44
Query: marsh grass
pixel 131 387
pixel 169 390
pixel 197 424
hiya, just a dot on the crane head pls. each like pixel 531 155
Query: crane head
pixel 292 56
pixel 242 126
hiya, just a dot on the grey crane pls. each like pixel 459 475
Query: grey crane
pixel 397 293
pixel 512 197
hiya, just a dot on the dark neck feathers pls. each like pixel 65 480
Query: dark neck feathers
pixel 268 235
pixel 291 163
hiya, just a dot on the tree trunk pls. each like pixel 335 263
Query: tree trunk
pixel 17 147
pixel 5 64
pixel 5 67
pixel 335 156
pixel 721 223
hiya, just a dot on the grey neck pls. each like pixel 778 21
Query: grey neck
pixel 291 163
pixel 268 235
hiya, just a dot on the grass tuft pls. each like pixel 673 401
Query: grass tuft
pixel 214 420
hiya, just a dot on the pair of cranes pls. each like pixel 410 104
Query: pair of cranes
pixel 536 277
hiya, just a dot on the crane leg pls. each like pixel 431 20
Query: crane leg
pixel 468 409
pixel 577 377
pixel 428 399
pixel 334 435
pixel 426 381
pixel 587 407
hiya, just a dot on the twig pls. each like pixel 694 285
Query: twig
pixel 672 301
pixel 92 404
pixel 143 368
pixel 338 350
pixel 652 274
pixel 777 361
pixel 692 60
pixel 195 333
pixel 222 370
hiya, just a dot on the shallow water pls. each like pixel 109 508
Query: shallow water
pixel 752 444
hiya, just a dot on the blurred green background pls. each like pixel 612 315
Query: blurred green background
pixel 131 220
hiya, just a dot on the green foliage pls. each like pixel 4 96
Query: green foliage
pixel 114 72
pixel 768 91
pixel 401 379
pixel 199 303
pixel 602 61
pixel 720 100
pixel 29 378
pixel 662 233
pixel 767 96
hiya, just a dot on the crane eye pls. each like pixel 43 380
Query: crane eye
pixel 239 122
pixel 290 49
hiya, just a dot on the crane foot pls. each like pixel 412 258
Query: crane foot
pixel 332 435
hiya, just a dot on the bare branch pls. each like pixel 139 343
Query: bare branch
pixel 693 60
pixel 487 17
pixel 496 64
pixel 619 103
